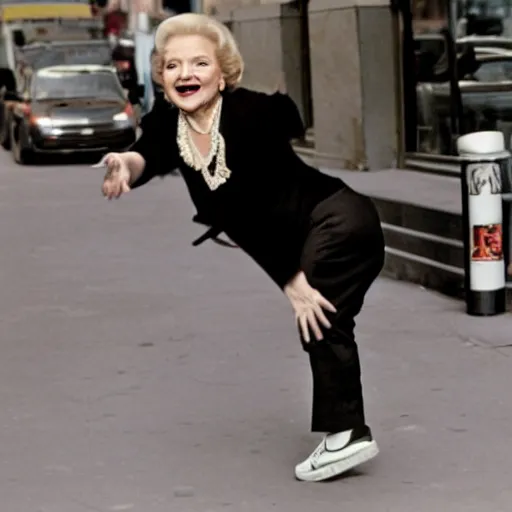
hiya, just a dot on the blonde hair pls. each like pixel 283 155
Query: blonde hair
pixel 228 54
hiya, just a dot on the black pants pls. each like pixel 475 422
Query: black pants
pixel 342 256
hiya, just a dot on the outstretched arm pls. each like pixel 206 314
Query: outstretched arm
pixel 153 153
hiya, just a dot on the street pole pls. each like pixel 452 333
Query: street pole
pixel 143 38
pixel 307 101
pixel 409 78
pixel 196 6
pixel 452 17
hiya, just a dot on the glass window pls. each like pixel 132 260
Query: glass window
pixel 41 56
pixel 494 70
pixel 438 108
pixel 71 84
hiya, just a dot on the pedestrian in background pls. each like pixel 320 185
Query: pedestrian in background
pixel 115 24
pixel 318 240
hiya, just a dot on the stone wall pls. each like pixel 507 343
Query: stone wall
pixel 354 73
pixel 214 6
pixel 269 39
pixel 354 83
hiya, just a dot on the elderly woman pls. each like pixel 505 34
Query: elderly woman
pixel 316 238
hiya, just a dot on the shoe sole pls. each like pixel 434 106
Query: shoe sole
pixel 341 466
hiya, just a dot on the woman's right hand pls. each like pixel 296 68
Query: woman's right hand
pixel 308 305
pixel 117 178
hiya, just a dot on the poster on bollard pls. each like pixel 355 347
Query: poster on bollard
pixel 487 243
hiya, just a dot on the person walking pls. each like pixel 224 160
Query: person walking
pixel 320 241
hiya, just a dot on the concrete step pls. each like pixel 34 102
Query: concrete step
pixel 422 220
pixel 304 150
pixel 310 137
pixel 429 163
pixel 306 146
pixel 434 164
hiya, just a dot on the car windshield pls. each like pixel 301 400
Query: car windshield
pixel 78 54
pixel 103 85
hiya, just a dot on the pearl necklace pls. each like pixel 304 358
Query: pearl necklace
pixel 193 157
pixel 196 127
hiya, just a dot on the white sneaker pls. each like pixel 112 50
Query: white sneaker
pixel 336 454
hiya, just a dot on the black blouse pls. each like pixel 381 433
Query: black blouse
pixel 265 205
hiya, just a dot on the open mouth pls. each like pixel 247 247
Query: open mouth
pixel 187 90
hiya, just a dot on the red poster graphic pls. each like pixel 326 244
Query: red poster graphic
pixel 487 243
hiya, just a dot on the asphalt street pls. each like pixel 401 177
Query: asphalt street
pixel 138 373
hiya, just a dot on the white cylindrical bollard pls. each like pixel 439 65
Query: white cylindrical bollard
pixel 482 156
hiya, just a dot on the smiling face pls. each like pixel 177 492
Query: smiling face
pixel 191 76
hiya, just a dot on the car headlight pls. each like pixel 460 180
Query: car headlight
pixel 121 117
pixel 44 122
pixel 126 117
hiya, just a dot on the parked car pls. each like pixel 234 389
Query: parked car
pixel 495 43
pixel 486 95
pixel 67 109
pixel 99 52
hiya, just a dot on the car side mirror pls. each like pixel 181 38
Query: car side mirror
pixel 7 79
pixel 11 96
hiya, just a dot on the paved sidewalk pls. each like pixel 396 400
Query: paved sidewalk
pixel 419 188
pixel 141 374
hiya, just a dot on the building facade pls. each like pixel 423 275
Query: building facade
pixel 336 59
pixel 375 81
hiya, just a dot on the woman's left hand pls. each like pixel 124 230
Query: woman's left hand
pixel 309 305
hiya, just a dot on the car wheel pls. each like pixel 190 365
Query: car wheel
pixel 21 155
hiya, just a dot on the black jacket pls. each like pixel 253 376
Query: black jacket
pixel 265 206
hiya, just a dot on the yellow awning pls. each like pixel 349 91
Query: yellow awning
pixel 45 11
